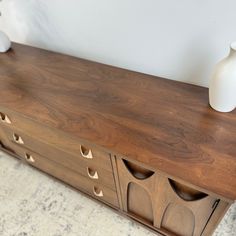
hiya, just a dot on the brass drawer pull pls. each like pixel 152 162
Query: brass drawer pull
pixel 4 118
pixel 18 139
pixel 98 194
pixel 29 158
pixel 86 153
pixel 92 174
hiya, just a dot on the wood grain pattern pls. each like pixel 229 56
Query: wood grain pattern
pixel 39 137
pixel 180 216
pixel 74 162
pixel 216 217
pixel 163 124
pixel 66 175
pixel 157 202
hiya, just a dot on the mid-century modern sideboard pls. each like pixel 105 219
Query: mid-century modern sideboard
pixel 148 147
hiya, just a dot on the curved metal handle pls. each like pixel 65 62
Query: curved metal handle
pixel 92 176
pixel 29 158
pixel 4 118
pixel 88 155
pixel 100 194
pixel 18 139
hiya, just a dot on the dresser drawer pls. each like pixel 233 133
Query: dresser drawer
pixel 90 168
pixel 72 178
pixel 53 137
pixel 3 138
pixel 1 135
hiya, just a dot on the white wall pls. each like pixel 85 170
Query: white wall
pixel 181 40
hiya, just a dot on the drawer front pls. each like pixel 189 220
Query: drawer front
pixel 54 138
pixel 3 138
pixel 88 167
pixel 72 178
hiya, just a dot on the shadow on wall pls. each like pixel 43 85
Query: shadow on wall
pixel 199 67
pixel 76 30
pixel 32 23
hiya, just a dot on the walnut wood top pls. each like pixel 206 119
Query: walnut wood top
pixel 164 124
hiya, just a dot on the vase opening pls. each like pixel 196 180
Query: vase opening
pixel 233 45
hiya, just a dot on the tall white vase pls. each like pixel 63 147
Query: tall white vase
pixel 5 42
pixel 222 90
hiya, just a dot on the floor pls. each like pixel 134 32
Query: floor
pixel 34 204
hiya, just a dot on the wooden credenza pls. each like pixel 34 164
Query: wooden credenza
pixel 148 147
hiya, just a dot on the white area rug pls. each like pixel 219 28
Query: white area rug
pixel 34 204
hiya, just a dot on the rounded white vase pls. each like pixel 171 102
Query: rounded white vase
pixel 5 42
pixel 222 89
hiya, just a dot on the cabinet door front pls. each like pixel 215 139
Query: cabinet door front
pixel 162 203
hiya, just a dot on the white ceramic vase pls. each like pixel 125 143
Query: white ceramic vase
pixel 5 42
pixel 222 90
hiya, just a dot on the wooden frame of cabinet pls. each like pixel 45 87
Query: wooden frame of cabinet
pixel 167 205
pixel 148 147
